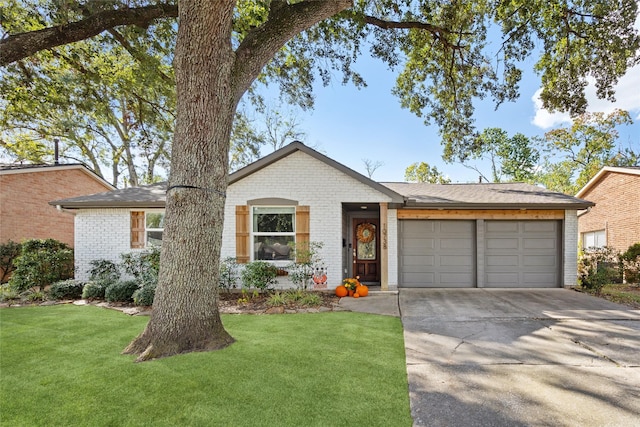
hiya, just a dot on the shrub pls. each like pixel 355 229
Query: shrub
pixel 41 263
pixel 144 295
pixel 228 274
pixel 95 290
pixel 143 266
pixel 66 289
pixel 307 263
pixel 104 270
pixel 7 293
pixel 259 275
pixel 9 251
pixel 598 267
pixel 631 264
pixel 35 295
pixel 121 291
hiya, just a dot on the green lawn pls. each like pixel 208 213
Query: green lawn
pixel 61 365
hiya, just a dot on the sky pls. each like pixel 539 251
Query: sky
pixel 349 124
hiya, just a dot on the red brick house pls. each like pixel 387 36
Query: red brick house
pixel 25 193
pixel 615 219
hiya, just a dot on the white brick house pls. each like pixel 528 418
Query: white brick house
pixel 391 234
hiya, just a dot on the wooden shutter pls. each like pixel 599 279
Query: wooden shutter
pixel 137 230
pixel 242 235
pixel 302 230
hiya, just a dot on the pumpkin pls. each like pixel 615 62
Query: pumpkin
pixel 356 295
pixel 363 290
pixel 341 291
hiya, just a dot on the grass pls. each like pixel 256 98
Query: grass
pixel 622 294
pixel 61 365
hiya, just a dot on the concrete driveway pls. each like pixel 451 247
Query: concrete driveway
pixel 493 357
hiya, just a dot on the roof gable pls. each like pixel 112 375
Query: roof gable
pixel 602 173
pixel 299 146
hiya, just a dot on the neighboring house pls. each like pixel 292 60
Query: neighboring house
pixel 392 234
pixel 25 192
pixel 614 221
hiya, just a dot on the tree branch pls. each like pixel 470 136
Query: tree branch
pixel 20 46
pixel 285 22
pixel 437 32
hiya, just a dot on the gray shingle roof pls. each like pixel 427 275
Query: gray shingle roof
pixel 503 195
pixel 145 196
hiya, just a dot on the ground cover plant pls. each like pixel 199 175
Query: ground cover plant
pixel 61 365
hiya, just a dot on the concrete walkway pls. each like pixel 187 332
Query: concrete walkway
pixel 507 357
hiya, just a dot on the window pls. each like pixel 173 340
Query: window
pixel 146 229
pixel 273 229
pixel 594 239
pixel 154 226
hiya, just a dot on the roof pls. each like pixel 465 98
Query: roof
pixel 299 146
pixel 11 169
pixel 144 196
pixel 492 195
pixel 629 170
pixel 419 195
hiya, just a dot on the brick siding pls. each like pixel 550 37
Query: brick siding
pixel 24 197
pixel 617 209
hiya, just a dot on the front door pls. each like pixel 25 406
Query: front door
pixel 366 249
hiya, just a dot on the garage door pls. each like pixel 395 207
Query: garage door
pixel 437 254
pixel 522 254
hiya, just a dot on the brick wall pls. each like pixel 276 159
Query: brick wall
pixel 312 183
pixel 24 197
pixel 617 209
pixel 570 249
pixel 100 234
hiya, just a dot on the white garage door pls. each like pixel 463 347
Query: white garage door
pixel 437 254
pixel 522 254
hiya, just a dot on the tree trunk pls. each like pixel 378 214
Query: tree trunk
pixel 185 309
pixel 210 79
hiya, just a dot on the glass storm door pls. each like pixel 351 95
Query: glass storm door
pixel 366 249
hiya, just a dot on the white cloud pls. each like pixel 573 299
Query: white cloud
pixel 627 98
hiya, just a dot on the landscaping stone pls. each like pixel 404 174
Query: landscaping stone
pixel 275 310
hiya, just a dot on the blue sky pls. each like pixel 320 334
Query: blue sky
pixel 349 125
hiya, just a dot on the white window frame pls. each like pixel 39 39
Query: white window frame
pixel 153 229
pixel 598 237
pixel 254 234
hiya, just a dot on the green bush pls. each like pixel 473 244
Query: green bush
pixel 143 266
pixel 259 275
pixel 598 267
pixel 66 289
pixel 41 263
pixel 121 291
pixel 144 295
pixel 631 264
pixel 95 290
pixel 228 274
pixel 9 251
pixel 104 270
pixel 35 295
pixel 7 293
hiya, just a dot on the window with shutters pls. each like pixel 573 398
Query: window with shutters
pixel 146 228
pixel 272 232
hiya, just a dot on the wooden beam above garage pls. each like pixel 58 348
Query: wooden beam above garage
pixel 505 214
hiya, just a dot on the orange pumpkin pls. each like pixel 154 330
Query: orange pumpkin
pixel 356 295
pixel 341 291
pixel 363 290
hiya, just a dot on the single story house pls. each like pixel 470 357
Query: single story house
pixel 25 192
pixel 614 221
pixel 392 234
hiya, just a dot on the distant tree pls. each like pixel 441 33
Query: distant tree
pixel 371 166
pixel 575 154
pixel 422 172
pixel 511 158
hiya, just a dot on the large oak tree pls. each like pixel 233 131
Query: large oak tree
pixel 439 48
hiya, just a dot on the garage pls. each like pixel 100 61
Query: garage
pixel 512 254
pixel 522 254
pixel 437 253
